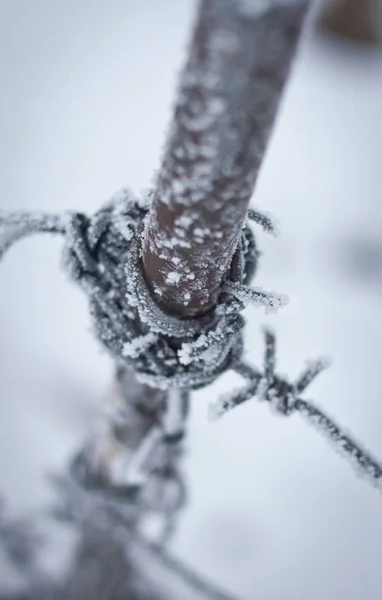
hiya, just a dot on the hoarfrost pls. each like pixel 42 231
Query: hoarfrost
pixel 272 301
pixel 138 345
pixel 173 278
pixel 134 329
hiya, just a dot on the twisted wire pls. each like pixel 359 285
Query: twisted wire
pixel 102 254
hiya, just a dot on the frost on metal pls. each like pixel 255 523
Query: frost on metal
pixel 167 282
pixel 229 91
pixel 103 255
pixel 284 399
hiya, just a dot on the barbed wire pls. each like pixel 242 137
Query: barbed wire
pixel 102 254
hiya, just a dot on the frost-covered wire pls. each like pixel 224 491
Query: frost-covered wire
pixel 229 91
pixel 103 254
pixel 283 397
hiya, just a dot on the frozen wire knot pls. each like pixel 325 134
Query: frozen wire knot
pixel 267 385
pixel 102 253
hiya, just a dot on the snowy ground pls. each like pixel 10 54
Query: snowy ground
pixel 86 93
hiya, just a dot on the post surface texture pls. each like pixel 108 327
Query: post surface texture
pixel 230 89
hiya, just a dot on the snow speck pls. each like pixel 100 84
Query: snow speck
pixel 173 278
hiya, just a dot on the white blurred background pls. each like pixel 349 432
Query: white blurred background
pixel 86 90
